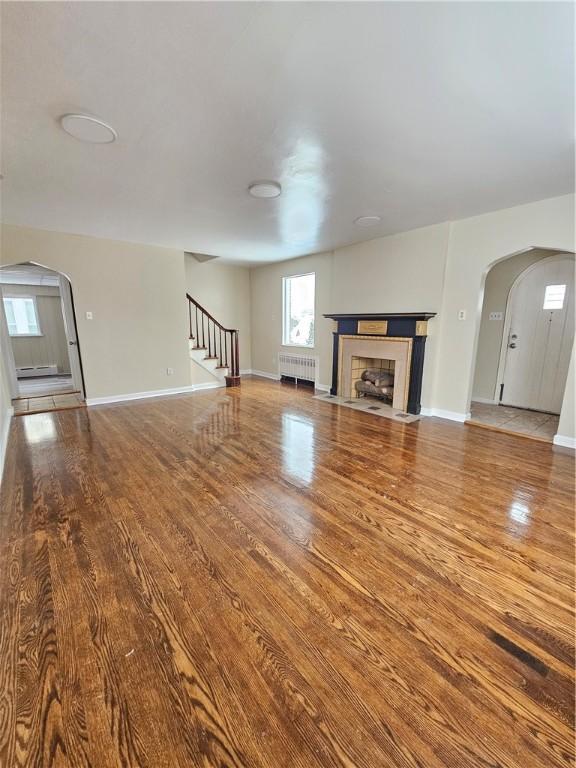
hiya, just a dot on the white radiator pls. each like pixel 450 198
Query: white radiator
pixel 297 366
pixel 24 372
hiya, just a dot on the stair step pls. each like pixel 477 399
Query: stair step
pixel 199 347
pixel 212 357
pixel 221 367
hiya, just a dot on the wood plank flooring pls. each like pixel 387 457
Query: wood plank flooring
pixel 251 577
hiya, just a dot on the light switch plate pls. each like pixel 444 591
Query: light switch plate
pixel 89 315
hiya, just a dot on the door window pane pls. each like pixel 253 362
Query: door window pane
pixel 554 297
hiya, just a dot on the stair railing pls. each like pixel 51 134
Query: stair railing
pixel 220 343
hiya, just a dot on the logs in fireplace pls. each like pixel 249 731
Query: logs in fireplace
pixel 375 383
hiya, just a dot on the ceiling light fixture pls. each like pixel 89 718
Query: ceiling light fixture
pixel 87 128
pixel 367 221
pixel 264 189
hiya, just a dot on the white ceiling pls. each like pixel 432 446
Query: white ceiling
pixel 417 112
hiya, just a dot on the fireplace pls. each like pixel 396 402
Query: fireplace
pixel 391 344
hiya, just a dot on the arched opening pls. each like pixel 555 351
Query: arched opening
pixel 39 338
pixel 525 342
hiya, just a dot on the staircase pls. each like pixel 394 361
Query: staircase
pixel 213 347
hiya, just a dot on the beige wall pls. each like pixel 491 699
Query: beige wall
pixel 499 281
pixel 476 244
pixel 137 296
pixel 52 346
pixel 224 291
pixel 567 425
pixel 5 413
pixel 402 273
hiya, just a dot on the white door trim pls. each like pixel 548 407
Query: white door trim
pixel 508 315
pixel 8 353
pixel 71 334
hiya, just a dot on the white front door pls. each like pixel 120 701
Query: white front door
pixel 71 336
pixel 539 334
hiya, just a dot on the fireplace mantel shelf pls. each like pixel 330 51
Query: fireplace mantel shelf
pixel 382 316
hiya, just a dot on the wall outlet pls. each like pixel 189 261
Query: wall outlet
pixel 169 371
pixel 496 315
pixel 89 315
pixel 461 314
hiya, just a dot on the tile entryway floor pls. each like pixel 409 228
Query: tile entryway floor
pixel 22 406
pixel 530 423
pixel 370 405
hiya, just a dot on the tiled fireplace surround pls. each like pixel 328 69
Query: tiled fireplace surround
pixel 400 338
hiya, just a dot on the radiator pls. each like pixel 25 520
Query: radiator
pixel 24 372
pixel 297 366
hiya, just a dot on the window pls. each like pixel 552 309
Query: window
pixel 21 316
pixel 554 297
pixel 298 322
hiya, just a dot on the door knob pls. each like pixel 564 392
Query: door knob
pixel 512 345
pixel 72 343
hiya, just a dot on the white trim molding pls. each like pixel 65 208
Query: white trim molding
pixel 4 439
pixel 564 441
pixel 485 400
pixel 322 387
pixel 154 393
pixel 441 414
pixel 266 375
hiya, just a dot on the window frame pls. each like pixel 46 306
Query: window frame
pixel 286 309
pixel 36 314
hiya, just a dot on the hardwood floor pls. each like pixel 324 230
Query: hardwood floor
pixel 251 577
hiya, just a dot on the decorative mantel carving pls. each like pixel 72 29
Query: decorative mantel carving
pixel 408 325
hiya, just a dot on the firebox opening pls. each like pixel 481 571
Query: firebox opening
pixel 373 377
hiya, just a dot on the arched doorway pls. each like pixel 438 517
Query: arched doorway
pixel 525 343
pixel 39 339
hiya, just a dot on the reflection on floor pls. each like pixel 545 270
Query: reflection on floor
pixel 531 423
pixel 47 403
pixel 45 385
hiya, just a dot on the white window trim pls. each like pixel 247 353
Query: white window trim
pixel 286 324
pixel 23 335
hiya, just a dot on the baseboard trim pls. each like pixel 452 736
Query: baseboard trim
pixel 322 387
pixel 153 393
pixel 265 375
pixel 4 440
pixel 439 413
pixel 564 441
pixel 485 400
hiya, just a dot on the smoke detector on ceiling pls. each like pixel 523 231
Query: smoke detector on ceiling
pixel 88 128
pixel 263 189
pixel 367 221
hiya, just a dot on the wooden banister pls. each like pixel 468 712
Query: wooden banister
pixel 220 343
